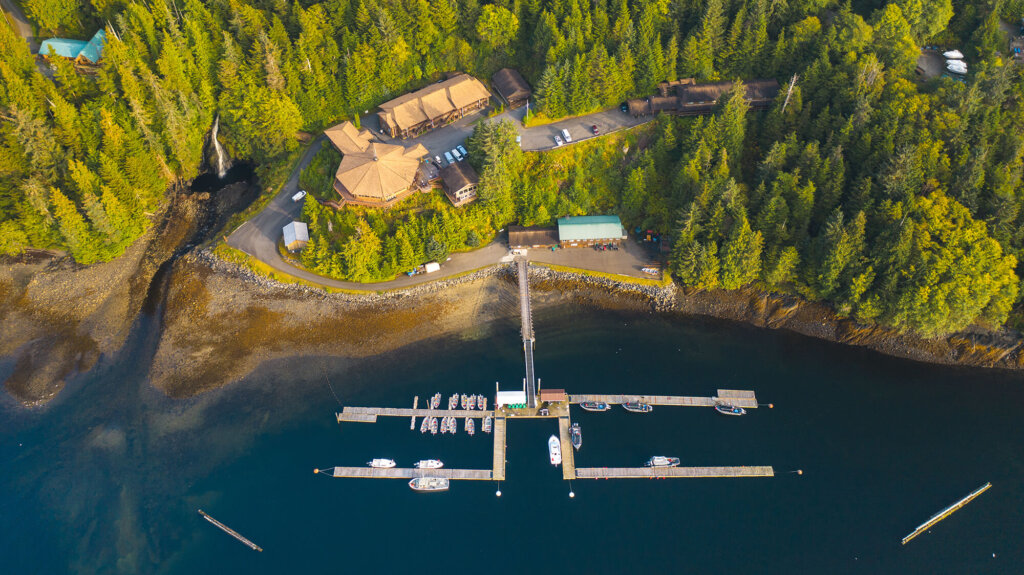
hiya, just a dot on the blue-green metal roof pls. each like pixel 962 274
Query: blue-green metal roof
pixel 62 47
pixel 91 50
pixel 587 228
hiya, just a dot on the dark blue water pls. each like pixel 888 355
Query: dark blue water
pixel 107 478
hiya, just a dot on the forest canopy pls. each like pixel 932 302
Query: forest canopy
pixel 895 198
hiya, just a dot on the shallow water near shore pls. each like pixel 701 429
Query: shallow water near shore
pixel 108 477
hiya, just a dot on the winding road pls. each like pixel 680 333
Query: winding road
pixel 21 25
pixel 258 236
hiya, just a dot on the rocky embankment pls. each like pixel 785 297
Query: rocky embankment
pixel 221 321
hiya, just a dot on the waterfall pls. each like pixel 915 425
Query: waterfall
pixel 221 168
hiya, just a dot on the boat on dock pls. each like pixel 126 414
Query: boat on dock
pixel 662 461
pixel 470 426
pixel 554 450
pixel 435 401
pixel 487 424
pixel 465 401
pixel 727 409
pixel 425 425
pixel 433 426
pixel 427 484
pixel 638 407
pixel 595 406
pixel 576 436
pixel 453 402
pixel 382 463
pixel 429 464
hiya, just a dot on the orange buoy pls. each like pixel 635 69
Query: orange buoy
pixel 315 471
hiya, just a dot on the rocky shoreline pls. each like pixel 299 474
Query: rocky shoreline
pixel 222 320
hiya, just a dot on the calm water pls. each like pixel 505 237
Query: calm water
pixel 108 477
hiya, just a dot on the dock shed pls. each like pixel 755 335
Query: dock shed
pixel 296 236
pixel 553 395
pixel 510 398
pixel 589 230
pixel 511 86
pixel 460 181
pixel 532 237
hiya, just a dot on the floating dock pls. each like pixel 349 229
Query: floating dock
pixel 370 414
pixel 668 472
pixel 498 465
pixel 946 512
pixel 738 397
pixel 407 473
pixel 568 462
pixel 231 532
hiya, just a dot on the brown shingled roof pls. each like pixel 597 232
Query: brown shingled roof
pixel 373 170
pixel 434 101
pixel 510 84
pixel 458 175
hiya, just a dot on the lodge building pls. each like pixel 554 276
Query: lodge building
pixel 436 105
pixel 686 98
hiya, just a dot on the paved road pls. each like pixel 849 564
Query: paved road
pixel 258 236
pixel 21 25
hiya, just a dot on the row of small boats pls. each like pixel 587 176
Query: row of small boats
pixel 465 401
pixel 450 424
pixel 641 407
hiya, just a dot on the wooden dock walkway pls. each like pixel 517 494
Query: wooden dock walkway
pixel 946 512
pixel 498 465
pixel 370 414
pixel 408 473
pixel 740 398
pixel 568 462
pixel 526 316
pixel 667 472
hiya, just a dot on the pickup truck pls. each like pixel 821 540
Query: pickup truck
pixel 299 196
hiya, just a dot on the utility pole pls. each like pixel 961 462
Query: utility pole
pixel 789 92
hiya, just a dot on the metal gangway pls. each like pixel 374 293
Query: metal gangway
pixel 527 329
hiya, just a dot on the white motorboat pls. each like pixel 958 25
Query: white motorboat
pixel 429 464
pixel 555 450
pixel 382 463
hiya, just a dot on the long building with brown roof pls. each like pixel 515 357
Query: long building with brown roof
pixel 373 173
pixel 511 86
pixel 436 105
pixel 685 98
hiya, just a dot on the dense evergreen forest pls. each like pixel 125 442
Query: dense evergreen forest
pixel 897 200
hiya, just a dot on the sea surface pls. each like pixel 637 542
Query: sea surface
pixel 108 477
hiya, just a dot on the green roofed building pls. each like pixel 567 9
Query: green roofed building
pixel 579 231
pixel 79 50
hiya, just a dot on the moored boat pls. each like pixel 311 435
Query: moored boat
pixel 470 426
pixel 554 450
pixel 465 400
pixel 727 409
pixel 453 402
pixel 576 436
pixel 453 424
pixel 433 426
pixel 425 484
pixel 435 401
pixel 483 403
pixel 638 407
pixel 429 464
pixel 382 463
pixel 662 461
pixel 595 406
pixel 487 424
pixel 425 425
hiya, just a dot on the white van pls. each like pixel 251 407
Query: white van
pixel 448 156
pixel 565 134
pixel 299 196
pixel 457 155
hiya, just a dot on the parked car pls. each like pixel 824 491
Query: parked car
pixel 299 196
pixel 448 156
pixel 438 160
pixel 624 108
pixel 565 134
pixel 458 156
pixel 519 140
pixel 595 130
pixel 462 151
pixel 558 141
